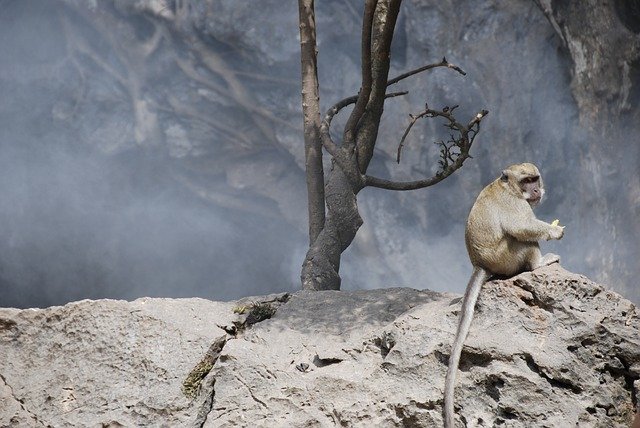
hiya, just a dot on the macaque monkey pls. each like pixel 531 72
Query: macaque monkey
pixel 502 237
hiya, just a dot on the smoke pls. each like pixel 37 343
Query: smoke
pixel 127 176
pixel 79 225
pixel 99 221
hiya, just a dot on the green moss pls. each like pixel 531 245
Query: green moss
pixel 259 312
pixel 191 384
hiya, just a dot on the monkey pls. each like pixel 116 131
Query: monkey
pixel 501 237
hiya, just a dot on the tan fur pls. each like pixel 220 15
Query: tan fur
pixel 502 231
pixel 502 237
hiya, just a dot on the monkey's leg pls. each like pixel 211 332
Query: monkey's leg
pixel 548 259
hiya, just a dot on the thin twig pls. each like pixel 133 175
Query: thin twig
pixel 450 161
pixel 414 119
pixel 443 63
pixel 446 112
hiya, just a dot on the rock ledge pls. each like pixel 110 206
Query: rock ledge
pixel 547 348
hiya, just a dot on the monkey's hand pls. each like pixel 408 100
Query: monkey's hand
pixel 555 231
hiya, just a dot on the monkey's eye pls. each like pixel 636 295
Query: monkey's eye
pixel 530 180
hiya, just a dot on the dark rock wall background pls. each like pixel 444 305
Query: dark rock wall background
pixel 154 148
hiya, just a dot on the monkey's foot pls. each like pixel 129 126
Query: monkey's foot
pixel 548 259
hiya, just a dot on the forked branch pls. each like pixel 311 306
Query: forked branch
pixel 325 127
pixel 453 152
pixel 327 142
pixel 365 89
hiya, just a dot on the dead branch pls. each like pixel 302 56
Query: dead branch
pixel 148 47
pixel 453 152
pixel 367 79
pixel 443 63
pixel 446 112
pixel 328 143
pixel 386 15
pixel 383 51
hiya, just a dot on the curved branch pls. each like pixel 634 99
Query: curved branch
pixel 381 183
pixel 325 126
pixel 447 113
pixel 327 142
pixel 443 63
pixel 450 161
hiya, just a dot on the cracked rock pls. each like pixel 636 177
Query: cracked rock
pixel 547 348
pixel 105 362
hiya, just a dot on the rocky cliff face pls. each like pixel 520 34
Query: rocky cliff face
pixel 546 349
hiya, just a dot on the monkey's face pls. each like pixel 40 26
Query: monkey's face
pixel 532 190
pixel 524 179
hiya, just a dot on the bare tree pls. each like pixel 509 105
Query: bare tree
pixel 332 231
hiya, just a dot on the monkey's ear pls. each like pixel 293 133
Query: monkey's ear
pixel 504 177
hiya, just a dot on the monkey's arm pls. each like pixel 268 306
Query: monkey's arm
pixel 530 229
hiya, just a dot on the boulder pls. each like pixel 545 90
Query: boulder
pixel 547 348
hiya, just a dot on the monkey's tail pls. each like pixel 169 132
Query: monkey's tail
pixel 478 277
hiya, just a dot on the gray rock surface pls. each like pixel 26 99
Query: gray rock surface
pixel 547 349
pixel 105 362
pixel 605 54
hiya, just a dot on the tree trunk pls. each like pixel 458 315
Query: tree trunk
pixel 322 262
pixel 311 114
